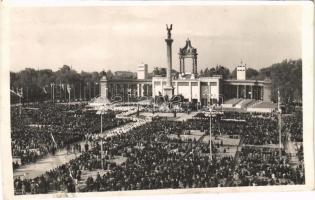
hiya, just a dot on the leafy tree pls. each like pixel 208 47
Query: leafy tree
pixel 159 71
pixel 109 74
pixel 287 77
pixel 218 70
pixel 251 73
pixel 206 72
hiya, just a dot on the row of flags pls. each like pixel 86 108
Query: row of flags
pixel 17 91
pixel 63 86
pixel 68 87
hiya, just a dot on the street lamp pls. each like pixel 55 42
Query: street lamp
pixel 52 86
pixel 210 133
pixel 102 111
pixel 20 96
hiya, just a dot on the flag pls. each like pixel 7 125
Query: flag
pixel 68 88
pixel 44 89
pixel 52 137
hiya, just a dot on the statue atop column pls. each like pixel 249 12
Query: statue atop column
pixel 168 89
pixel 169 31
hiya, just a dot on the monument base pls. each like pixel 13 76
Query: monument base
pixel 169 91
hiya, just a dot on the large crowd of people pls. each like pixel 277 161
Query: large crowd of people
pixel 263 166
pixel 41 130
pixel 157 157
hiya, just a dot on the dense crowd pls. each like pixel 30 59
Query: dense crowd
pixel 263 166
pixel 156 158
pixel 48 127
pixel 294 125
pixel 256 129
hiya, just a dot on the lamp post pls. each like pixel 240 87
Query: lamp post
pixel 102 154
pixel 20 108
pixel 80 92
pixel 89 90
pixel 210 134
pixel 102 151
pixel 93 89
pixel 52 86
pixel 96 90
pixel 279 124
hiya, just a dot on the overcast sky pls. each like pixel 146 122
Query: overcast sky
pixel 120 37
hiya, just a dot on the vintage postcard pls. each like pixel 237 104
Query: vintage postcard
pixel 143 98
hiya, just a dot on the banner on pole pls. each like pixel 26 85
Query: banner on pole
pixel 68 88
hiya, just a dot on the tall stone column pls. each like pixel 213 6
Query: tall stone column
pixel 168 89
pixel 104 86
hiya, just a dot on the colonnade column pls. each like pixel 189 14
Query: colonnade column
pixel 138 89
pixel 143 88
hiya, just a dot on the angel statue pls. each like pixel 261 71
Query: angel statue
pixel 169 30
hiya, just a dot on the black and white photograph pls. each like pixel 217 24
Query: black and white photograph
pixel 124 98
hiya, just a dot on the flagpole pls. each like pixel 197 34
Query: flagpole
pixel 101 122
pixel 53 92
pixel 89 90
pixel 69 97
pixel 80 92
pixel 94 89
pixel 59 91
pixel 27 96
pixel 65 93
pixel 279 123
pixel 210 134
pixel 50 91
pixel 102 151
pixel 20 111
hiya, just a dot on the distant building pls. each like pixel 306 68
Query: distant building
pixel 241 72
pixel 142 71
pixel 124 75
pixel 195 89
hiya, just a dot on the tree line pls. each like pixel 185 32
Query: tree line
pixel 285 76
pixel 36 85
pixel 40 85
